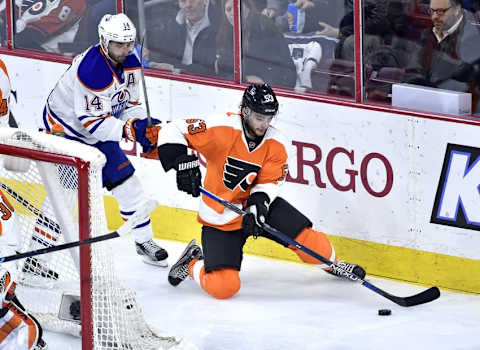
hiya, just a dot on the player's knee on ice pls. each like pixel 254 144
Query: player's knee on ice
pixel 222 284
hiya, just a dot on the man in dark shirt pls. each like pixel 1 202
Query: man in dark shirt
pixel 450 50
pixel 186 41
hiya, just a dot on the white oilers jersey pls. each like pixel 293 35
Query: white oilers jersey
pixel 4 94
pixel 93 98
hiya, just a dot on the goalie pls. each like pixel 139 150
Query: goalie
pixel 18 329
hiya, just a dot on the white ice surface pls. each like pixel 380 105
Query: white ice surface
pixel 287 306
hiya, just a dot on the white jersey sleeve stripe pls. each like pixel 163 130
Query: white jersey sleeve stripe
pixel 92 125
pixel 55 119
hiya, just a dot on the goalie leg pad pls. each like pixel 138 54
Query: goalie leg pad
pixel 18 330
pixel 286 218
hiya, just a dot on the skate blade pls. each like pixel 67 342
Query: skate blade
pixel 161 263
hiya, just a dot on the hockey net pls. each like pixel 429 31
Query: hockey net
pixel 55 187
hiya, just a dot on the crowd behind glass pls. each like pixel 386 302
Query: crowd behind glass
pixel 306 45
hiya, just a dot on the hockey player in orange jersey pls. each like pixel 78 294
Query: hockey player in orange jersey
pixel 246 163
pixel 5 91
pixel 18 329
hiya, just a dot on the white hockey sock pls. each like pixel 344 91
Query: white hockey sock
pixel 197 268
pixel 331 258
pixel 129 196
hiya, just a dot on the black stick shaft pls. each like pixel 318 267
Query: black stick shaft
pixel 56 248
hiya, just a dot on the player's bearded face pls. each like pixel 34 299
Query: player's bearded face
pixel 259 123
pixel 119 51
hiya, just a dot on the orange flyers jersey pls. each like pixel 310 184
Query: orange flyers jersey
pixel 233 171
pixel 4 94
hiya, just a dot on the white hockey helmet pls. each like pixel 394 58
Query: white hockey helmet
pixel 117 28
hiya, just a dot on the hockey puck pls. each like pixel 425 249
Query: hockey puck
pixel 384 312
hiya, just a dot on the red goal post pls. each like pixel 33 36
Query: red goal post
pixel 55 187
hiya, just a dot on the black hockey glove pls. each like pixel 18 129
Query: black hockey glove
pixel 189 177
pixel 257 210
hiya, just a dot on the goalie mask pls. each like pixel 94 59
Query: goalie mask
pixel 118 28
pixel 261 99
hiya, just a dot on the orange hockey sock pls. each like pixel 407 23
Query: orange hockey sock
pixel 316 241
pixel 220 284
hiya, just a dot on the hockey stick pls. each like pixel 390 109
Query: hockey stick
pixel 145 96
pixel 31 208
pixel 417 299
pixel 134 220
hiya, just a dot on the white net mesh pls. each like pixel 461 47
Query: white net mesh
pixel 44 191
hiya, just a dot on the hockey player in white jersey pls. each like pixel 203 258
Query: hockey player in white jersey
pixel 96 101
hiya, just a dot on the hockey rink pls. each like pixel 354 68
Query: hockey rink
pixel 287 306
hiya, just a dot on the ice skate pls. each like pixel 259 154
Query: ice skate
pixel 152 253
pixel 352 268
pixel 179 270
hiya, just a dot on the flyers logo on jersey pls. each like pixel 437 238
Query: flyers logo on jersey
pixel 34 7
pixel 237 172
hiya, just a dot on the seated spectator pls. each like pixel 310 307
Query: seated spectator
pixel 376 26
pixel 265 53
pixel 449 55
pixel 276 9
pixel 187 40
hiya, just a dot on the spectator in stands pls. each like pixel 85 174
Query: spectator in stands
pixel 376 26
pixel 187 41
pixel 449 55
pixel 276 10
pixel 266 57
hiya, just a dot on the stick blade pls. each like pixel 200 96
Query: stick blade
pixel 421 298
